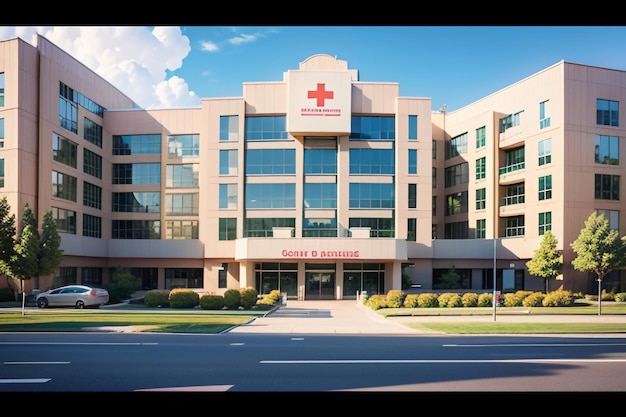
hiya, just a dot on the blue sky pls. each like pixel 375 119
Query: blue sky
pixel 176 66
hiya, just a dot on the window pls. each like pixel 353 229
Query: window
pixel 320 161
pixel 91 276
pixel 68 115
pixel 222 276
pixel 612 216
pixel 92 163
pixel 263 227
pixel 182 176
pixel 457 174
pixel 372 161
pixel 228 228
pixel 229 128
pixel 1 133
pixel 515 194
pixel 183 146
pixel 434 204
pixel 510 121
pixel 411 230
pixel 228 196
pixel 137 202
pixel 456 203
pixel 514 226
pixel 456 230
pixel 544 117
pixel 378 227
pixel 1 89
pixel 65 220
pixel 481 168
pixel 271 162
pixel 77 98
pixel 434 180
pixel 92 132
pixel 92 226
pixel 607 112
pixel 545 187
pixel 228 162
pixel 270 196
pixel 545 222
pixel 434 149
pixel 2 173
pixel 373 128
pixel 515 160
pixel 481 137
pixel 481 198
pixel 412 195
pixel 412 127
pixel 607 150
pixel 371 196
pixel 320 195
pixel 136 229
pixel 607 187
pixel 64 150
pixel 412 161
pixel 266 128
pixel 149 173
pixel 181 204
pixel 63 186
pixel 481 228
pixel 137 145
pixel 456 146
pixel 181 229
pixel 66 276
pixel 319 227
pixel 545 152
pixel 184 278
pixel 92 195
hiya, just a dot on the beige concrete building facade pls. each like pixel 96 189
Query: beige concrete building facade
pixel 319 184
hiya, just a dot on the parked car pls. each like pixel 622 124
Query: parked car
pixel 77 296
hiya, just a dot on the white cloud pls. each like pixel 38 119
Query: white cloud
pixel 208 46
pixel 135 59
pixel 243 38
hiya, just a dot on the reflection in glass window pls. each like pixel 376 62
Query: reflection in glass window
pixel 372 161
pixel 136 144
pixel 228 162
pixel 320 161
pixel 182 175
pixel 320 195
pixel 607 150
pixel 228 196
pixel 373 128
pixel 64 150
pixel 271 162
pixel 266 128
pixel 371 196
pixel 137 202
pixel 149 173
pixel 229 128
pixel 270 196
pixel 183 145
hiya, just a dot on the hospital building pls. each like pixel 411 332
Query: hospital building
pixel 317 183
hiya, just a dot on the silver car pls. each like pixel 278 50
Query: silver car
pixel 77 296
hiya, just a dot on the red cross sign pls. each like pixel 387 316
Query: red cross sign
pixel 320 94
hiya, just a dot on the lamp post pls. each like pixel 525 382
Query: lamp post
pixel 494 280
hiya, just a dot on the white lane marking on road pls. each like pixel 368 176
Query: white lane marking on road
pixel 297 338
pixel 237 344
pixel 37 363
pixel 369 361
pixel 203 388
pixel 25 381
pixel 535 345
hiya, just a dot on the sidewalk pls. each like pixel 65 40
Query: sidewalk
pixel 352 317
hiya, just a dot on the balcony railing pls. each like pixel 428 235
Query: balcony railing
pixel 512 168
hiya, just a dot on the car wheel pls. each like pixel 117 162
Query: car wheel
pixel 42 302
pixel 80 304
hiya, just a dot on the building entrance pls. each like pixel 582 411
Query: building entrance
pixel 320 286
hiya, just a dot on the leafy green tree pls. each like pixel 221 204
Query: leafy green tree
pixel 24 263
pixel 49 256
pixel 123 285
pixel 599 249
pixel 547 260
pixel 7 237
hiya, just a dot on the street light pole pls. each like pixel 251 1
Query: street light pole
pixel 494 280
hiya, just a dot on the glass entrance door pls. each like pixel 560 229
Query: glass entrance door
pixel 320 286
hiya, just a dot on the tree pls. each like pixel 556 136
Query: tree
pixel 123 285
pixel 599 249
pixel 49 255
pixel 7 237
pixel 23 264
pixel 547 261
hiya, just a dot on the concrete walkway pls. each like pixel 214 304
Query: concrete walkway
pixel 352 317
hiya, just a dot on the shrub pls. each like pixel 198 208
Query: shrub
pixel 469 299
pixel 123 285
pixel 485 300
pixel 395 298
pixel 232 298
pixel 183 298
pixel 6 294
pixel 410 301
pixel 512 300
pixel 620 297
pixel 608 296
pixel 559 298
pixel 212 302
pixel 450 299
pixel 157 298
pixel 427 300
pixel 534 300
pixel 249 297
pixel 376 301
pixel 272 299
